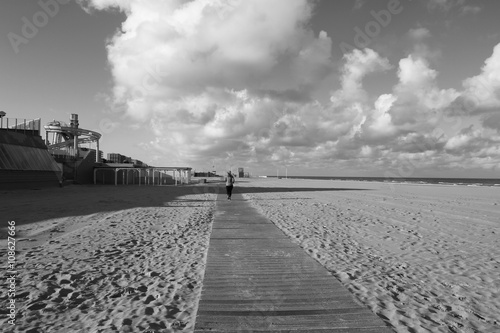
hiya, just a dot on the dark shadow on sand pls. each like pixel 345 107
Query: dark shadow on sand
pixel 32 206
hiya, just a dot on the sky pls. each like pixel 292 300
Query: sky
pixel 380 88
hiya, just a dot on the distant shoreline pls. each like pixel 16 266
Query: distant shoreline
pixel 406 180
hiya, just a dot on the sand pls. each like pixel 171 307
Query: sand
pixel 107 259
pixel 425 258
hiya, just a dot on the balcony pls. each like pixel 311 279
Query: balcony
pixel 25 126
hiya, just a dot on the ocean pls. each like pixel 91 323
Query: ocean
pixel 442 181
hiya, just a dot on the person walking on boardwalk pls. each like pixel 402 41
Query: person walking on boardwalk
pixel 229 184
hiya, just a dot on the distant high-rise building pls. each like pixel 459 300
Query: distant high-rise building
pixel 117 158
pixel 241 173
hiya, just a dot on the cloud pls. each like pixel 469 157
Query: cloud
pixel 192 46
pixel 459 5
pixel 379 123
pixel 465 10
pixel 484 89
pixel 415 73
pixel 358 64
pixel 89 6
pixel 234 80
pixel 465 139
pixel 421 49
pixel 191 67
pixel 444 5
pixel 492 121
pixel 475 148
pixel 419 34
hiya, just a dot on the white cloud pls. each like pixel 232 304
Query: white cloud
pixel 484 89
pixel 460 141
pixel 358 64
pixel 192 46
pixel 223 69
pixel 234 80
pixel 419 103
pixel 381 120
pixel 123 5
pixel 415 73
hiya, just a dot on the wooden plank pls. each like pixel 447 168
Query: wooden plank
pixel 258 280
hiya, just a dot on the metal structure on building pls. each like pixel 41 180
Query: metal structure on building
pixel 61 138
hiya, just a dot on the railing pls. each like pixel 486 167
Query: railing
pixel 64 154
pixel 27 126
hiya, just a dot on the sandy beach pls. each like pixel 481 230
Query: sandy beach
pixel 425 258
pixel 106 258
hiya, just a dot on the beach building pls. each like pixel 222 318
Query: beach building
pixel 134 174
pixel 71 147
pixel 25 161
pixel 70 153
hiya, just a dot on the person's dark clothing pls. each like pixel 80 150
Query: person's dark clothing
pixel 229 185
pixel 229 191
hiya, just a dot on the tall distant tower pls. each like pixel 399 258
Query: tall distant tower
pixel 73 123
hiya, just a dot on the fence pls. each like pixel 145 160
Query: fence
pixel 26 126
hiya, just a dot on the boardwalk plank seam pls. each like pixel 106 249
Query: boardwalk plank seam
pixel 257 280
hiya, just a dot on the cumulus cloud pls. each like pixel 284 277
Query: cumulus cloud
pixel 223 69
pixel 233 80
pixel 484 89
pixel 199 44
pixel 379 123
pixel 415 73
pixel 418 97
pixel 358 64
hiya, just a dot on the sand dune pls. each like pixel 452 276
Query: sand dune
pixel 423 257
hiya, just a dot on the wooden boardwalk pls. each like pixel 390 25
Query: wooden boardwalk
pixel 257 280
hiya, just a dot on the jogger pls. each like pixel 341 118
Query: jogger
pixel 229 185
